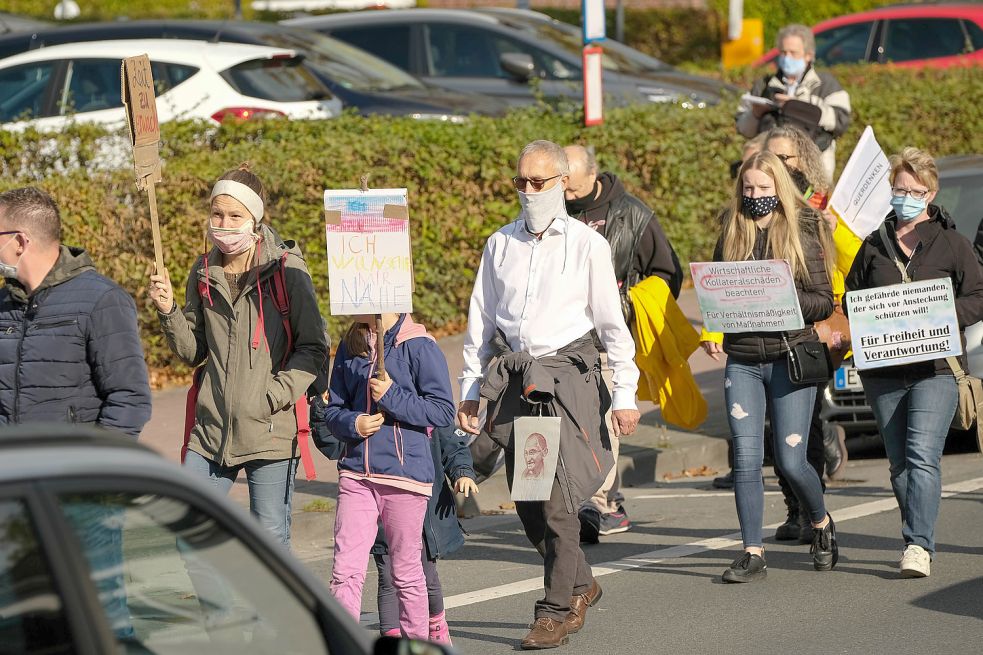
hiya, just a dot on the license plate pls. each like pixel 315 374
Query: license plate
pixel 847 378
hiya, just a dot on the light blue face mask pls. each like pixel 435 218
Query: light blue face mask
pixel 791 65
pixel 908 208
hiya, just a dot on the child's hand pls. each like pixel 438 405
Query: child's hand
pixel 380 387
pixel 366 425
pixel 465 486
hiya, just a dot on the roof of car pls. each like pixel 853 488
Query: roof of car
pixel 928 10
pixel 395 15
pixel 178 51
pixel 960 164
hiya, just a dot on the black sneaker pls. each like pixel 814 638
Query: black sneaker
pixel 746 568
pixel 789 530
pixel 614 522
pixel 590 525
pixel 824 550
pixel 724 481
pixel 834 449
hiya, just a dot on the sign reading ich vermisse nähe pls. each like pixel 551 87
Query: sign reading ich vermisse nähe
pixel 747 296
pixel 903 323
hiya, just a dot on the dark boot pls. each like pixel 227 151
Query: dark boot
pixel 824 550
pixel 789 530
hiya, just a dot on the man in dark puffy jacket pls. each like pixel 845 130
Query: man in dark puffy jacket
pixel 639 249
pixel 69 346
pixel 69 352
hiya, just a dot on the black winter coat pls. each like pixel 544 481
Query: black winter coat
pixel 71 352
pixel 815 299
pixel 441 531
pixel 943 252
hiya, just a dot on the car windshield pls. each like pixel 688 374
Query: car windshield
pixel 617 57
pixel 346 65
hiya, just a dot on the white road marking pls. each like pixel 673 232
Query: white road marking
pixel 685 550
pixel 714 494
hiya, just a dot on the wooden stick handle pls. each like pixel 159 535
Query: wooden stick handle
pixel 380 332
pixel 155 228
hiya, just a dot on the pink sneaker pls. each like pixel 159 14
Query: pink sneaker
pixel 439 632
pixel 392 633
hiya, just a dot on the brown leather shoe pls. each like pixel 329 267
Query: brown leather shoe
pixel 546 633
pixel 578 607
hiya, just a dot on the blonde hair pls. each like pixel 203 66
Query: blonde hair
pixel 808 156
pixel 785 228
pixel 917 162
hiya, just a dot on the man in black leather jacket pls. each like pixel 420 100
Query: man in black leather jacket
pixel 639 249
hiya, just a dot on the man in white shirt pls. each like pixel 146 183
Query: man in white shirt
pixel 545 282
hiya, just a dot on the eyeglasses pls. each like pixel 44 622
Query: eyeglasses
pixel 536 183
pixel 917 194
pixel 785 158
pixel 9 232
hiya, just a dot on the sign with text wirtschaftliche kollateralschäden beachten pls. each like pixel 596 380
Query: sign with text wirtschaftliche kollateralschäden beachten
pixel 903 323
pixel 747 296
pixel 370 268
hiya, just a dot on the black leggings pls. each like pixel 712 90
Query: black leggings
pixel 389 602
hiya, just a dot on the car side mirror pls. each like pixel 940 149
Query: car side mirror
pixel 518 64
pixel 406 646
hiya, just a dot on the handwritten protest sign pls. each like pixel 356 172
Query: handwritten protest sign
pixel 370 267
pixel 862 197
pixel 750 296
pixel 137 87
pixel 903 323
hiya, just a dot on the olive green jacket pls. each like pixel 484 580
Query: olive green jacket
pixel 245 406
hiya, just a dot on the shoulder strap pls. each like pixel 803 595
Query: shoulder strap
pixel 893 252
pixel 282 301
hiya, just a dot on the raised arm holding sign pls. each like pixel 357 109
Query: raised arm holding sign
pixel 137 82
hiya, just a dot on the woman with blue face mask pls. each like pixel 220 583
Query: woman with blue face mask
pixel 914 403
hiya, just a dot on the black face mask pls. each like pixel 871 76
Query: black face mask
pixel 801 183
pixel 758 207
pixel 578 205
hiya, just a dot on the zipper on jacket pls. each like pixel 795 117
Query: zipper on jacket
pixel 25 324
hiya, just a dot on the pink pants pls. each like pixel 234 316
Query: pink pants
pixel 360 503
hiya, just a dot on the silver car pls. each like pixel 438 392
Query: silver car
pixel 105 547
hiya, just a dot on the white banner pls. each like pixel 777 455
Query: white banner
pixel 752 296
pixel 903 323
pixel 862 197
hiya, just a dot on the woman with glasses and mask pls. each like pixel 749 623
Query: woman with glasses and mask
pixel 914 403
pixel 767 219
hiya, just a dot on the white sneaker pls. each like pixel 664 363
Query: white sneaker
pixel 915 562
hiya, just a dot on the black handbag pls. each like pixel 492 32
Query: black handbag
pixel 809 362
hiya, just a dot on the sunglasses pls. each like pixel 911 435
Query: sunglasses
pixel 536 183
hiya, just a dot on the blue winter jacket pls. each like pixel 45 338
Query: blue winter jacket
pixel 442 533
pixel 418 400
pixel 70 351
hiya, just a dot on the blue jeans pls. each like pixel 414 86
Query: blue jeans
pixel 913 416
pixel 271 488
pixel 751 389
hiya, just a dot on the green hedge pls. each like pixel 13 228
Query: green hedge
pixel 457 175
pixel 673 35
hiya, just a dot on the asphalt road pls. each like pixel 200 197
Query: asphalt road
pixel 662 589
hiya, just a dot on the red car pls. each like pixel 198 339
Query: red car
pixel 916 36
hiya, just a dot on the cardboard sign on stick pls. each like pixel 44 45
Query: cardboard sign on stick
pixel 137 90
pixel 370 268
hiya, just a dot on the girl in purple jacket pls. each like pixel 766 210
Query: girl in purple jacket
pixel 386 468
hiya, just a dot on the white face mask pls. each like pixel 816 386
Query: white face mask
pixel 9 270
pixel 540 209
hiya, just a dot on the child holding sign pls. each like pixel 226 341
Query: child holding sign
pixel 386 468
pixel 768 219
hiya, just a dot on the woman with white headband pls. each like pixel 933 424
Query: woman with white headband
pixel 256 357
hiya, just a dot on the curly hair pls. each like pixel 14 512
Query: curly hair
pixel 809 157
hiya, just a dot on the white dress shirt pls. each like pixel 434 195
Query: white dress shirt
pixel 544 293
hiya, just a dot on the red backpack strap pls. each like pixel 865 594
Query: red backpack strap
pixel 189 408
pixel 301 409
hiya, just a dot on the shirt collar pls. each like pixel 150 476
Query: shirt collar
pixel 558 226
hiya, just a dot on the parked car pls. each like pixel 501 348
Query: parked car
pixel 917 36
pixel 961 193
pixel 100 533
pixel 514 55
pixel 49 87
pixel 360 80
